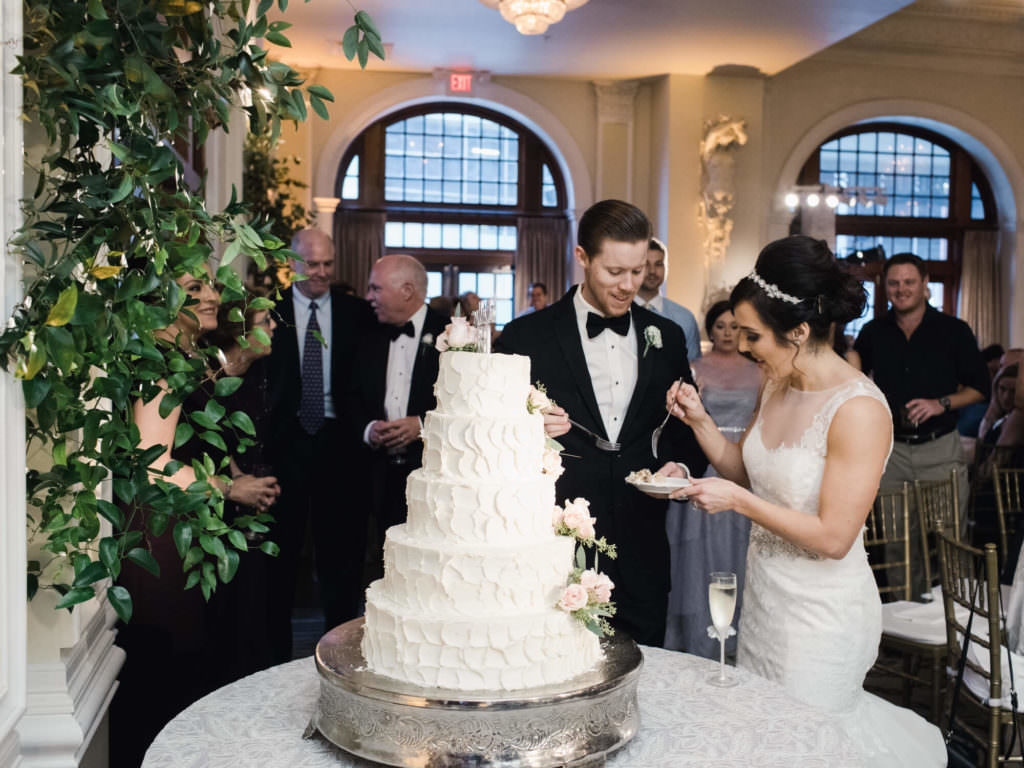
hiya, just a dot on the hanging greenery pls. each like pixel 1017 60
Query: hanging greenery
pixel 115 84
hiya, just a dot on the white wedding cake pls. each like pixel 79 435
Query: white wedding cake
pixel 473 578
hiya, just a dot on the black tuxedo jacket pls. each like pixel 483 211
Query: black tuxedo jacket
pixel 631 520
pixel 350 317
pixel 369 384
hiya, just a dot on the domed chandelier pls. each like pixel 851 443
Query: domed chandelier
pixel 533 17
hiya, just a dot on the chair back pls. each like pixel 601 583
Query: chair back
pixel 965 572
pixel 887 530
pixel 1009 505
pixel 938 508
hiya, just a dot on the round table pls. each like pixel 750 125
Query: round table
pixel 258 722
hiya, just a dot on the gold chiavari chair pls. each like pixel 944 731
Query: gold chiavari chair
pixel 912 632
pixel 1009 506
pixel 938 508
pixel 972 575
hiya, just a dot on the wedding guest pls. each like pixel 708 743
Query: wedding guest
pixel 443 305
pixel 806 473
pixel 1002 406
pixel 606 362
pixel 728 383
pixel 970 419
pixel 393 385
pixel 928 365
pixel 538 297
pixel 308 371
pixel 169 623
pixel 649 296
pixel 469 303
pixel 238 613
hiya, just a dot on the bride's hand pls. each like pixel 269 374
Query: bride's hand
pixel 710 494
pixel 671 469
pixel 684 403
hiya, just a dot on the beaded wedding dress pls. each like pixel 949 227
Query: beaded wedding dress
pixel 811 623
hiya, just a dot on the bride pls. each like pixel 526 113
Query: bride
pixel 811 459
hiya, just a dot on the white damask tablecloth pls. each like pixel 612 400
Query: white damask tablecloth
pixel 258 722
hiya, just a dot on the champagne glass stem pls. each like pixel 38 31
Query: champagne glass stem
pixel 721 656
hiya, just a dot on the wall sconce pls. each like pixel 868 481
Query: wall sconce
pixel 813 195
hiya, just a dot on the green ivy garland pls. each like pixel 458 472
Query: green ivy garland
pixel 110 226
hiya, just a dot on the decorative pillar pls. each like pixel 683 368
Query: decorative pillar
pixel 325 208
pixel 12 406
pixel 615 124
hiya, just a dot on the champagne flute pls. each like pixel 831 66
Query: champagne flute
pixel 722 601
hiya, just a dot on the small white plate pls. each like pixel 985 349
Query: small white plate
pixel 664 487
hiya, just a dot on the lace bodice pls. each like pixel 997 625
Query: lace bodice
pixel 790 473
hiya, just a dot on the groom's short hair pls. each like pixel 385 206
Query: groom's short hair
pixel 611 220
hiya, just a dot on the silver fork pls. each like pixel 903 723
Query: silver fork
pixel 656 434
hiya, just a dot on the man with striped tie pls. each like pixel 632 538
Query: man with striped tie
pixel 309 365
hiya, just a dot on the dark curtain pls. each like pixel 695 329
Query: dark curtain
pixel 542 256
pixel 359 242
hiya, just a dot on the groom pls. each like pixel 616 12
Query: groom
pixel 608 364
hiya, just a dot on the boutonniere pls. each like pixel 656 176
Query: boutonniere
pixel 426 342
pixel 652 338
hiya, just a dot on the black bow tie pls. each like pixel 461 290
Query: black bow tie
pixel 596 324
pixel 397 330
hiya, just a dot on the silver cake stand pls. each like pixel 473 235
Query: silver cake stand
pixel 576 723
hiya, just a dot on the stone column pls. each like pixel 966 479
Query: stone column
pixel 325 208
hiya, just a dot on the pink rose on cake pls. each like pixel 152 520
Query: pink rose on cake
pixel 537 401
pixel 598 585
pixel 557 513
pixel 458 335
pixel 551 463
pixel 577 518
pixel 573 598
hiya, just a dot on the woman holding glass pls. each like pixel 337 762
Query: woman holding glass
pixel 806 473
pixel 700 543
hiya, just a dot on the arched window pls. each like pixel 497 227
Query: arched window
pixel 909 189
pixel 454 182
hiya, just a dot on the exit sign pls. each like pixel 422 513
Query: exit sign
pixel 460 82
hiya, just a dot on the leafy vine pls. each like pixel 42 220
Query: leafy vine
pixel 119 87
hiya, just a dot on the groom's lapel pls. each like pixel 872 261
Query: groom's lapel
pixel 644 375
pixel 568 334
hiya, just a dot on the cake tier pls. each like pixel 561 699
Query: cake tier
pixel 503 653
pixel 483 385
pixel 480 511
pixel 437 577
pixel 472 448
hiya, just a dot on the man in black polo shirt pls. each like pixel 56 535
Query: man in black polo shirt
pixel 929 366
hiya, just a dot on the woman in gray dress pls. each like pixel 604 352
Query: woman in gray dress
pixel 700 543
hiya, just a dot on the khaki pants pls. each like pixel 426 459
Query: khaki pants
pixel 925 462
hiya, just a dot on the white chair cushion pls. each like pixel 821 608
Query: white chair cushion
pixel 919 622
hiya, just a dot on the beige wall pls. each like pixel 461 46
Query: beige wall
pixel 874 73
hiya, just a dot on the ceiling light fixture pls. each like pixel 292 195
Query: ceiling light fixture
pixel 533 17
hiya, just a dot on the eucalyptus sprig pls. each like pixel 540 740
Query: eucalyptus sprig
pixel 124 91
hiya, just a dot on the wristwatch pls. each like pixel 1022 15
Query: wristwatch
pixel 944 402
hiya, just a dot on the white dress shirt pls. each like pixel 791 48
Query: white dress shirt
pixel 398 382
pixel 300 304
pixel 612 362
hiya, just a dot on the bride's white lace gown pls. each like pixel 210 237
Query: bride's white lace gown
pixel 812 623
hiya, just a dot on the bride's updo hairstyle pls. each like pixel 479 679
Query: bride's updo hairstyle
pixel 798 280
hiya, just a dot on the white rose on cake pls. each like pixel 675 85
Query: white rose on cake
pixel 458 335
pixel 551 463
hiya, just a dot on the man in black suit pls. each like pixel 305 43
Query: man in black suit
pixel 608 364
pixel 309 366
pixel 393 386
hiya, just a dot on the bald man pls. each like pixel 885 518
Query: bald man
pixel 310 361
pixel 393 386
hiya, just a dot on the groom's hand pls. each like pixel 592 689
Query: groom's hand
pixel 556 421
